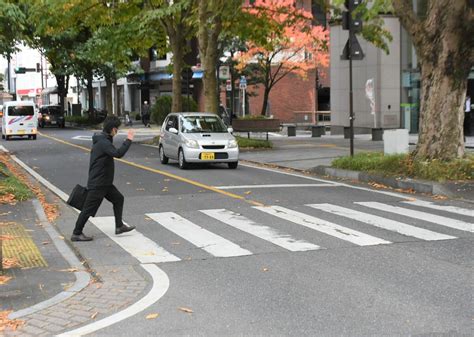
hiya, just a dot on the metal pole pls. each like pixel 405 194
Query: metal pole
pixel 351 100
pixel 41 69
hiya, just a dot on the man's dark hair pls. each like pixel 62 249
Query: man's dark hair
pixel 111 122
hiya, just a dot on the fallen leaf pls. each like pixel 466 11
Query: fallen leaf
pixel 140 189
pixel 7 237
pixel 152 316
pixel 45 243
pixel 186 310
pixel 10 263
pixel 69 270
pixel 10 324
pixel 410 199
pixel 4 279
pixel 128 183
pixel 440 197
pixel 61 237
pixel 94 315
pixel 248 192
pixel 265 269
pixel 148 218
pixel 6 213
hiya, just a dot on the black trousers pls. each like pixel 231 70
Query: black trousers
pixel 92 203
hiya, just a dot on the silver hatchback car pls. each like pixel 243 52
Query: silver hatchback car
pixel 197 137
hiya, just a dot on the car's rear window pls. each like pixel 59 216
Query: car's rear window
pixel 21 110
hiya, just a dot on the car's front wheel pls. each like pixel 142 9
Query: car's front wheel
pixel 181 160
pixel 163 158
pixel 233 165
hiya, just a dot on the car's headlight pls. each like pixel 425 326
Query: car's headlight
pixel 232 144
pixel 191 143
pixel 46 117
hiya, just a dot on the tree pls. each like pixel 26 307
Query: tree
pixel 293 46
pixel 442 33
pixel 444 41
pixel 175 17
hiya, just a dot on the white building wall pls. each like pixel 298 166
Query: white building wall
pixel 384 69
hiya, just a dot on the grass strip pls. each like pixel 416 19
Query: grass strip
pixel 406 165
pixel 9 184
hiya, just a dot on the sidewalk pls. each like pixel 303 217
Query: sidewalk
pixel 50 291
pixel 314 154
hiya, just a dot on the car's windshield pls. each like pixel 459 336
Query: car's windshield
pixel 21 110
pixel 54 110
pixel 197 124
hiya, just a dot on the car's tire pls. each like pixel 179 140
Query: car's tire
pixel 233 165
pixel 7 138
pixel 163 158
pixel 33 137
pixel 182 160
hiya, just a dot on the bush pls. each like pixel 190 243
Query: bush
pixel 162 108
pixel 81 120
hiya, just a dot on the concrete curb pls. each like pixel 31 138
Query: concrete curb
pixel 420 186
pixel 82 277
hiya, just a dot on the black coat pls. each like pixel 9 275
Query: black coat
pixel 101 166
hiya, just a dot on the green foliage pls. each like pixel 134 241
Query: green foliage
pixel 162 108
pixel 80 120
pixel 10 184
pixel 12 23
pixel 406 165
pixel 246 143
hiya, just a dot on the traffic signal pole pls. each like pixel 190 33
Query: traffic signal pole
pixel 351 94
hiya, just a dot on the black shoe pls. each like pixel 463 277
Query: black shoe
pixel 124 229
pixel 80 237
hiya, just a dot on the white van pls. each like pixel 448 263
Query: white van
pixel 19 118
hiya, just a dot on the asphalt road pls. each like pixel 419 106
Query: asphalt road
pixel 251 257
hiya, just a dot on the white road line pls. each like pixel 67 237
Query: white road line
pixel 392 194
pixel 160 286
pixel 377 221
pixel 263 232
pixel 439 220
pixel 323 226
pixel 290 174
pixel 134 242
pixel 232 187
pixel 198 236
pixel 451 209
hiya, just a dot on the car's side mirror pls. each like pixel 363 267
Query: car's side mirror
pixel 230 130
pixel 173 130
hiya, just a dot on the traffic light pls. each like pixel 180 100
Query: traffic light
pixel 20 70
pixel 349 22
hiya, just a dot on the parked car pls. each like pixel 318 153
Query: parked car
pixel 19 119
pixel 197 137
pixel 51 115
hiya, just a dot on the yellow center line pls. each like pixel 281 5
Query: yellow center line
pixel 167 174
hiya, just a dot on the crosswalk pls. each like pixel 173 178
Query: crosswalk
pixel 358 224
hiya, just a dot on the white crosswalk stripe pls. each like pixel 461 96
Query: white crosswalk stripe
pixel 323 226
pixel 451 209
pixel 198 236
pixel 377 221
pixel 437 219
pixel 134 242
pixel 264 232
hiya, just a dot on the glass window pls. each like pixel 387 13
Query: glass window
pixel 171 123
pixel 21 110
pixel 199 124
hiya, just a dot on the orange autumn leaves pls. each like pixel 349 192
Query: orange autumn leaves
pixel 50 210
pixel 9 324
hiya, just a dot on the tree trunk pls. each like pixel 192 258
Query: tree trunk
pixel 208 35
pixel 117 111
pixel 443 39
pixel 177 104
pixel 266 94
pixel 108 94
pixel 441 115
pixel 209 79
pixel 90 95
pixel 60 80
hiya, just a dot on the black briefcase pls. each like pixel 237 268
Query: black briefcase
pixel 77 197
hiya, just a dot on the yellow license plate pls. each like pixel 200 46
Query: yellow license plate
pixel 207 156
pixel 21 132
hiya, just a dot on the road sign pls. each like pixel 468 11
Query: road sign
pixel 356 50
pixel 243 83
